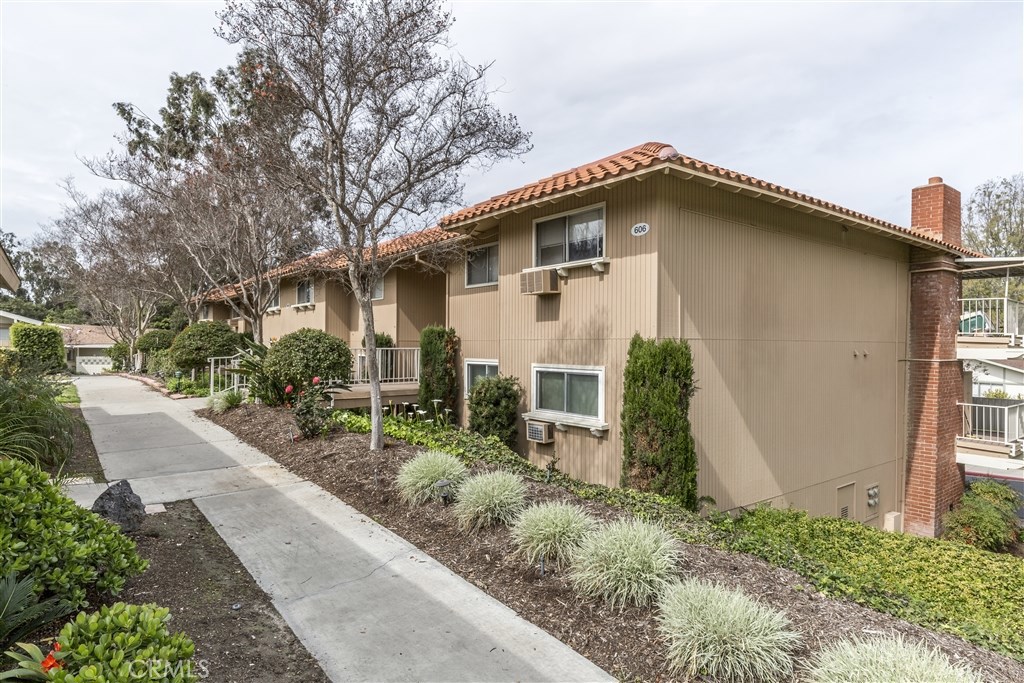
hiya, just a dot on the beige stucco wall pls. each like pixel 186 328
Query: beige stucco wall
pixel 774 303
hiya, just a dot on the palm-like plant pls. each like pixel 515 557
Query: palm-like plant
pixel 21 610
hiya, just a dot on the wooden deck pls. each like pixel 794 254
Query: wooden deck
pixel 358 395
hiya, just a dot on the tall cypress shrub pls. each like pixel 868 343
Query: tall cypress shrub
pixel 439 348
pixel 658 450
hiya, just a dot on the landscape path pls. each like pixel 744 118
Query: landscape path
pixel 367 604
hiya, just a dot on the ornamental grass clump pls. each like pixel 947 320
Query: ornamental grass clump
pixel 223 401
pixel 551 531
pixel 417 477
pixel 724 635
pixel 886 660
pixel 488 499
pixel 625 562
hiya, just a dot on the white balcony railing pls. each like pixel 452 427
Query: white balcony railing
pixel 394 365
pixel 224 374
pixel 992 316
pixel 1003 424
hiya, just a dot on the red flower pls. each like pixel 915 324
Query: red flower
pixel 289 389
pixel 50 662
pixel 316 380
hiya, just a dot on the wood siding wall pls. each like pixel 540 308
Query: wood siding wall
pixel 798 328
pixel 774 303
pixel 289 319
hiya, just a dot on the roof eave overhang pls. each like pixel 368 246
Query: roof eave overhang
pixel 476 224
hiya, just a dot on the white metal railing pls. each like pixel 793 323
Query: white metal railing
pixel 992 316
pixel 996 423
pixel 394 365
pixel 224 374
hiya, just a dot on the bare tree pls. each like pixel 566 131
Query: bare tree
pixel 388 118
pixel 109 256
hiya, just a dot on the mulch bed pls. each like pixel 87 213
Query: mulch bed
pixel 83 461
pixel 624 642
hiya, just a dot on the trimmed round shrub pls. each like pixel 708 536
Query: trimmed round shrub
pixel 494 408
pixel 625 562
pixel 119 354
pixel 298 357
pixel 551 531
pixel 885 660
pixel 67 549
pixel 417 477
pixel 119 642
pixel 41 346
pixel 197 343
pixel 489 499
pixel 724 635
pixel 155 340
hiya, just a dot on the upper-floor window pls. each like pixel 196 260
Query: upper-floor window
pixel 304 292
pixel 477 370
pixel 204 312
pixel 575 236
pixel 482 266
pixel 275 298
pixel 378 290
pixel 571 389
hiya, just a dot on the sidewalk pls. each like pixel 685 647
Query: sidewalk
pixel 367 604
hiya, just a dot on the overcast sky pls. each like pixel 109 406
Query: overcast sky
pixel 851 102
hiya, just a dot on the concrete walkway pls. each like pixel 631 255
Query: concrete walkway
pixel 367 604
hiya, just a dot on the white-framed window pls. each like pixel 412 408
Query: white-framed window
pixel 204 312
pixel 304 292
pixel 275 298
pixel 378 290
pixel 477 369
pixel 482 266
pixel 572 390
pixel 572 236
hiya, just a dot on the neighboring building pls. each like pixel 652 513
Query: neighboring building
pixel 770 287
pixel 86 347
pixel 7 320
pixel 8 276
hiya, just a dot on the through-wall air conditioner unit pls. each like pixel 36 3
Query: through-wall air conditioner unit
pixel 540 432
pixel 539 282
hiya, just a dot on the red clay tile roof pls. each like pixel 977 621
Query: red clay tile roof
pixel 334 259
pixel 652 154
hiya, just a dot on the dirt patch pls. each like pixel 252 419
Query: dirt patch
pixel 239 635
pixel 83 461
pixel 624 642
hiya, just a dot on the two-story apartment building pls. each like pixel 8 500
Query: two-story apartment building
pixel 823 339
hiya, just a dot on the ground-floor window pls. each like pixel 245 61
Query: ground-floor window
pixel 570 389
pixel 477 369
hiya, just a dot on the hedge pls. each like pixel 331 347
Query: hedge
pixel 40 345
pixel 439 380
pixel 658 452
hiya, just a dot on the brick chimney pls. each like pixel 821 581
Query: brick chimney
pixel 934 481
pixel 935 209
